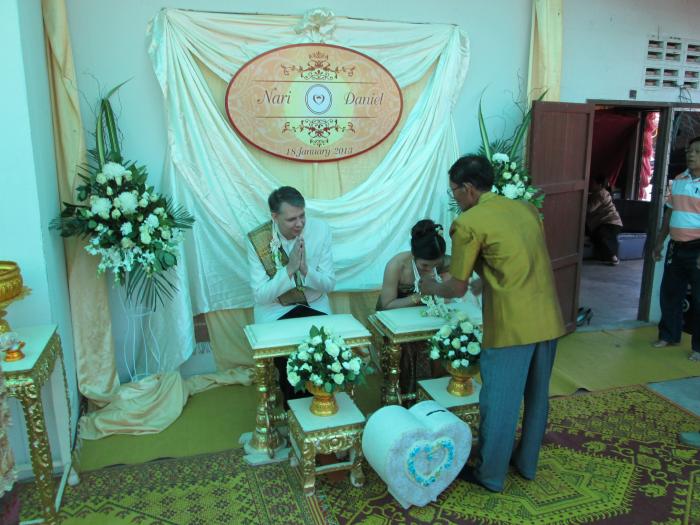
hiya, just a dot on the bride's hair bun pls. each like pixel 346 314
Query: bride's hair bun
pixel 427 241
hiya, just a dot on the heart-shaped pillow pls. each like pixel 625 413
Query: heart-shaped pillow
pixel 417 452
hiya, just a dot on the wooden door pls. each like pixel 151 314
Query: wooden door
pixel 559 160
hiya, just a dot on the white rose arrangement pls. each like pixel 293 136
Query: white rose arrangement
pixel 458 342
pixel 325 360
pixel 134 230
pixel 512 181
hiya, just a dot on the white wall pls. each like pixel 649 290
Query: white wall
pixel 605 43
pixel 28 200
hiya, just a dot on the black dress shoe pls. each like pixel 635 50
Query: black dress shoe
pixel 467 474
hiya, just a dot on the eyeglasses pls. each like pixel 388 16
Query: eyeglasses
pixel 460 187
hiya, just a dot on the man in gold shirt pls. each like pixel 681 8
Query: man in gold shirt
pixel 503 240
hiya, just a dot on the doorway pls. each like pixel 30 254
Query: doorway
pixel 636 148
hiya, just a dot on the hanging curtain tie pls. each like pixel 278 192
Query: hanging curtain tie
pixel 317 24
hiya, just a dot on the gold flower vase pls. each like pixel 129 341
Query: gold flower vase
pixel 323 403
pixel 461 381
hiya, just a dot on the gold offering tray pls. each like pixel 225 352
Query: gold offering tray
pixel 10 282
pixel 11 289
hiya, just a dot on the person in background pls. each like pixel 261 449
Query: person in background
pixel 682 265
pixel 603 223
pixel 504 241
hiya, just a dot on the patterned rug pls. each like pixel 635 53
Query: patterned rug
pixel 212 489
pixel 609 457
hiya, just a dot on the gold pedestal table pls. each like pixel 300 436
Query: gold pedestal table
pixel 24 380
pixel 311 435
pixel 465 408
pixel 280 338
pixel 407 325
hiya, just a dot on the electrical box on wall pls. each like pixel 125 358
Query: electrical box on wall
pixel 672 62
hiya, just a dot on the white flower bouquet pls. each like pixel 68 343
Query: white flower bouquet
pixel 511 177
pixel 457 343
pixel 324 360
pixel 512 181
pixel 134 230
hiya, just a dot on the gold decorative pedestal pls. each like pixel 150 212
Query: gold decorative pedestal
pixel 465 408
pixel 323 403
pixel 311 435
pixel 461 383
pixel 265 444
pixel 24 380
pixel 398 327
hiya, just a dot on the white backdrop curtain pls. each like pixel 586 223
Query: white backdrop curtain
pixel 212 171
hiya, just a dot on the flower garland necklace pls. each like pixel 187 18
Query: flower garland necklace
pixel 435 306
pixel 276 252
pixel 276 247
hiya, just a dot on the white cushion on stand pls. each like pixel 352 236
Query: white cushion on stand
pixel 291 332
pixel 409 320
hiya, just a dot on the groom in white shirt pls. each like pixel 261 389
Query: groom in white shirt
pixel 291 266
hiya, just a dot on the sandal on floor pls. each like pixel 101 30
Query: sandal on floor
pixel 584 316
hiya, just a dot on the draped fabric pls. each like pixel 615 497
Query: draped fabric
pixel 613 137
pixel 153 403
pixel 88 294
pixel 136 407
pixel 225 184
pixel 546 39
pixel 651 127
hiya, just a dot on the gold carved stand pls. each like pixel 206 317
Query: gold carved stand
pixel 266 438
pixel 267 444
pixel 24 380
pixel 465 408
pixel 390 355
pixel 398 327
pixel 312 435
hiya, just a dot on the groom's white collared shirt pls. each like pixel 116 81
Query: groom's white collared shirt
pixel 319 280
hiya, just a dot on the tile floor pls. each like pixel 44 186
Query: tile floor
pixel 612 292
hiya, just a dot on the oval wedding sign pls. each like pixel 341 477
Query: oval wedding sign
pixel 313 102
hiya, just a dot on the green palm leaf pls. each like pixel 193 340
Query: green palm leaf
pixel 485 144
